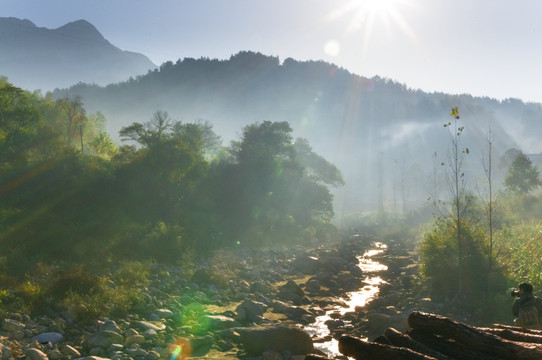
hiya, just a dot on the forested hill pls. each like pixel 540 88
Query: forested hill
pixel 354 122
pixel 39 58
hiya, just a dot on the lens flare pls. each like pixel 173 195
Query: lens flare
pixel 180 349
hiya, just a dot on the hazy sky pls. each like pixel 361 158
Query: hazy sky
pixel 482 47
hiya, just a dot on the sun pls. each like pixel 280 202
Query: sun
pixel 366 15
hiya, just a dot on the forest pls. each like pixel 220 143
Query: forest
pixel 77 208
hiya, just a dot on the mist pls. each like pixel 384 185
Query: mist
pixel 379 133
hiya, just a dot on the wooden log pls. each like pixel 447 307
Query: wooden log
pixel 471 338
pixel 359 349
pixel 518 329
pixel 513 335
pixel 397 338
pixel 446 346
pixel 316 357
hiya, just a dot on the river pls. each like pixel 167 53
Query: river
pixel 361 297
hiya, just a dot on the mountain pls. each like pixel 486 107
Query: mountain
pixel 384 137
pixel 39 58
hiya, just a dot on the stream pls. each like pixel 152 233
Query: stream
pixel 353 299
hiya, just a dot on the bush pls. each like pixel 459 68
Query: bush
pixel 440 259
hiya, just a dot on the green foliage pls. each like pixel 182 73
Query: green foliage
pixel 439 259
pixel 519 248
pixel 271 192
pixel 522 176
pixel 68 195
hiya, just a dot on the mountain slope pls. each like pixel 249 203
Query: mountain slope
pixel 369 128
pixel 38 58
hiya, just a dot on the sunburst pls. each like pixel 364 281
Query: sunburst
pixel 367 14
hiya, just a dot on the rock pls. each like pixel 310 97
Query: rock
pixel 136 351
pixel 49 337
pixel 131 332
pixel 6 352
pixel 114 347
pixel 164 313
pixel 148 325
pixel 150 334
pixel 307 264
pixel 292 311
pixel 218 322
pixel 55 355
pixel 256 340
pixel 271 355
pixel 95 351
pixel 134 339
pixel 70 351
pixel 10 325
pixel 18 335
pixel 104 339
pixel 92 358
pixel 378 323
pixel 250 311
pixel 35 354
pixel 110 325
pixel 312 285
pixel 201 341
pixel 292 287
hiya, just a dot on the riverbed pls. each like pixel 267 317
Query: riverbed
pixel 359 298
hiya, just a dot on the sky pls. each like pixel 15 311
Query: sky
pixel 481 47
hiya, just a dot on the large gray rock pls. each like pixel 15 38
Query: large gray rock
pixel 257 340
pixel 48 337
pixel 104 339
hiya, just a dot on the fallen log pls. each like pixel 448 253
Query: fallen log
pixel 518 329
pixel 513 335
pixel 359 349
pixel 397 338
pixel 447 347
pixel 473 339
pixel 316 357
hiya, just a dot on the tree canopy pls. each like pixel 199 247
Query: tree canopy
pixel 522 176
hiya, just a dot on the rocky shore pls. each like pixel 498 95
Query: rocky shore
pixel 240 303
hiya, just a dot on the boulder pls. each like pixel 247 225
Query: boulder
pixel 257 340
pixel 250 311
pixel 48 337
pixel 104 339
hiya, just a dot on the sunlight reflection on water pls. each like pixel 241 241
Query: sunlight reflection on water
pixel 356 298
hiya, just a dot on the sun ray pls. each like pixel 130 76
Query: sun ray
pixel 366 15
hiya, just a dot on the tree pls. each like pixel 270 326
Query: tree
pixel 74 116
pixel 149 133
pixel 522 176
pixel 456 186
pixel 274 190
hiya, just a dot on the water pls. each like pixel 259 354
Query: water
pixel 353 299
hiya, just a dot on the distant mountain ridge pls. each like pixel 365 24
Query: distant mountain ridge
pixel 39 58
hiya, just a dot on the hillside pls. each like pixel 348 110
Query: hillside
pixel 367 127
pixel 39 58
